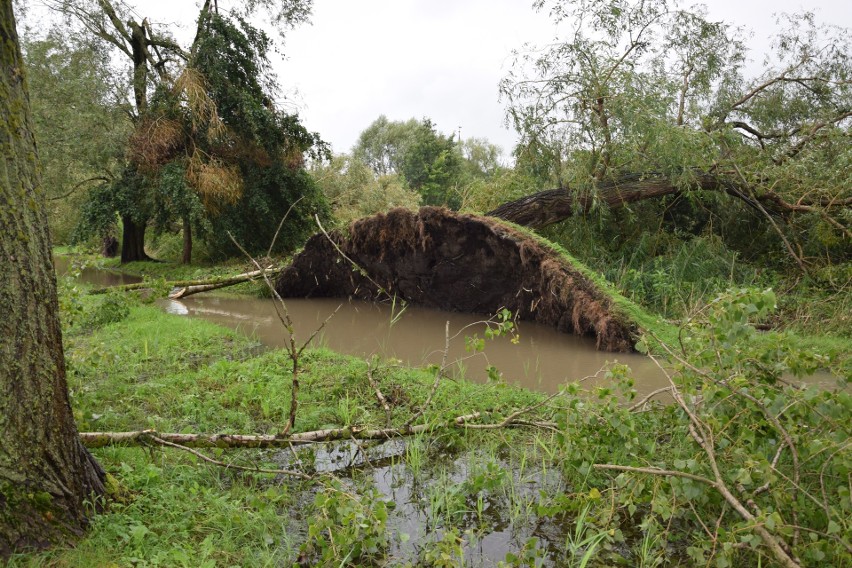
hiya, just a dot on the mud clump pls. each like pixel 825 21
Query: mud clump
pixel 464 263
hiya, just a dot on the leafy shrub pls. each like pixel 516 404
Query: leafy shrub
pixel 112 308
pixel 348 527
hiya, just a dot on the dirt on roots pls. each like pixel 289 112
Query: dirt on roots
pixel 463 263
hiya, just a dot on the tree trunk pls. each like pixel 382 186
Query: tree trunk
pixel 46 474
pixel 132 240
pixel 110 246
pixel 139 45
pixel 187 242
pixel 555 205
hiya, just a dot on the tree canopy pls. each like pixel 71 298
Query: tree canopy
pixel 79 121
pixel 643 91
pixel 438 167
pixel 209 148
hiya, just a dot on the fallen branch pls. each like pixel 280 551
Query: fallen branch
pixel 648 397
pixel 145 437
pixel 381 397
pixel 225 441
pixel 439 373
pixel 201 456
pixel 189 287
pixel 188 290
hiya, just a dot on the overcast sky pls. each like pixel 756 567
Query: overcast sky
pixel 441 59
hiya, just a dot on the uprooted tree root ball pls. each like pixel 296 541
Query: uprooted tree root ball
pixel 464 263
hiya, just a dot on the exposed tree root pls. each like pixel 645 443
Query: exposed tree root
pixel 463 263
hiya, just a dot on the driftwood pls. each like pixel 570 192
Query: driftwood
pixel 183 288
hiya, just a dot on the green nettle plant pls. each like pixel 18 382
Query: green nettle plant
pixel 755 467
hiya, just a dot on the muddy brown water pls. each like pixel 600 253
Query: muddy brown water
pixel 543 358
pixel 99 277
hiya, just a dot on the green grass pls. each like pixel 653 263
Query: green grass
pixel 176 374
pixel 172 373
pixel 137 367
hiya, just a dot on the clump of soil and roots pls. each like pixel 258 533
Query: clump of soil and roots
pixel 464 263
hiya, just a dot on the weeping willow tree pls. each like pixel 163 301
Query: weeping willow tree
pixel 209 150
pixel 651 100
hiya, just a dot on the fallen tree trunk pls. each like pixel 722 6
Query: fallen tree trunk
pixel 152 437
pixel 554 205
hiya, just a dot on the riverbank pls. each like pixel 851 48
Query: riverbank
pixel 531 488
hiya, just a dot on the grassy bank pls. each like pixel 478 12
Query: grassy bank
pixel 521 496
pixel 173 374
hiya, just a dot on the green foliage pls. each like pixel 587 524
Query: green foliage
pixel 269 194
pixel 232 56
pixel 382 146
pixel 446 552
pixel 174 199
pixel 346 527
pixel 127 196
pixel 655 89
pixel 112 308
pixel 762 431
pixel 210 151
pixel 582 544
pixel 431 166
pixel 442 170
pixel 79 123
pixel 354 191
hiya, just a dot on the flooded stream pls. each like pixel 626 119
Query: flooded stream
pixel 543 358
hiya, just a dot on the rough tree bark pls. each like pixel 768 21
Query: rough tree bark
pixel 132 240
pixel 45 472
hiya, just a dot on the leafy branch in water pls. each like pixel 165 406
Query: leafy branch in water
pixel 765 446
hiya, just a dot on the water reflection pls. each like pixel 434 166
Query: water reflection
pixel 98 277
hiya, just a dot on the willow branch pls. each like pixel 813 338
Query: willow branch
pixel 228 465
